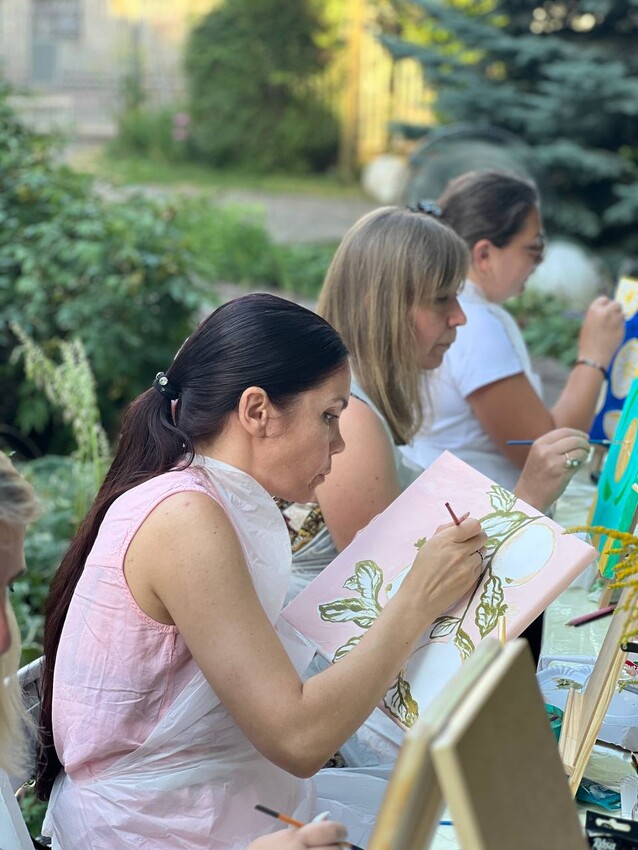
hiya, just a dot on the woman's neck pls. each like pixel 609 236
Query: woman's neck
pixel 481 283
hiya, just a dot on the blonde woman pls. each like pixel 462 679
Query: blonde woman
pixel 18 507
pixel 391 292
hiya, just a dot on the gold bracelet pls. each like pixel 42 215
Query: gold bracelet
pixel 585 361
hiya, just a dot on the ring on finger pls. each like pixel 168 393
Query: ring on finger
pixel 571 462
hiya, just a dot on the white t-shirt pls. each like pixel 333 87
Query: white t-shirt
pixel 488 348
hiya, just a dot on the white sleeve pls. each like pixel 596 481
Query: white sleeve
pixel 483 351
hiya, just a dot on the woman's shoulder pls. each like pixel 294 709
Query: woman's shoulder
pixel 144 496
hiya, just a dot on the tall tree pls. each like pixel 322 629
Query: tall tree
pixel 563 75
pixel 253 69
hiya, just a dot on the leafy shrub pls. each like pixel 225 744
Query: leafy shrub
pixel 159 133
pixel 252 68
pixel 118 275
pixel 304 267
pixel 65 487
pixel 549 327
pixel 230 243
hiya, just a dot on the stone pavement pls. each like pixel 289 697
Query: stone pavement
pixel 293 218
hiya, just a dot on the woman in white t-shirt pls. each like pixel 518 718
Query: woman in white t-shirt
pixel 485 392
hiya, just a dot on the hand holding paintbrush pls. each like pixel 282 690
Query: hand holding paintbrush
pixel 317 834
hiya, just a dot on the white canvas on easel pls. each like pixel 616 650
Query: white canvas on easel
pixel 585 710
pixel 493 760
pixel 413 802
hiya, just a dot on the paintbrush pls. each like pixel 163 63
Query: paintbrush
pixel 455 519
pixel 292 822
pixel 593 615
pixel 591 442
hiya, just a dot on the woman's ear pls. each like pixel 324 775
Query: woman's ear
pixel 481 254
pixel 254 411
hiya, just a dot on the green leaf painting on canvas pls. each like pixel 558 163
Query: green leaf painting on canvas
pixel 506 564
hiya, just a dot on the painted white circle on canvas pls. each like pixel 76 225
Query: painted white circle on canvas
pixel 523 554
pixel 430 669
pixel 610 422
pixel 623 371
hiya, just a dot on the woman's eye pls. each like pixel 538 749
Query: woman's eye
pixel 329 417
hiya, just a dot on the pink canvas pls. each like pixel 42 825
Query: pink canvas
pixel 529 562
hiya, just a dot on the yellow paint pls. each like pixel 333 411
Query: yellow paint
pixel 625 450
pixel 625 368
pixel 610 423
pixel 627 296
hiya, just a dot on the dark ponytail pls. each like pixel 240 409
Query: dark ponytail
pixel 257 340
pixel 488 204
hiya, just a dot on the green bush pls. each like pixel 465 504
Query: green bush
pixel 303 267
pixel 118 275
pixel 65 487
pixel 253 69
pixel 159 133
pixel 232 244
pixel 549 327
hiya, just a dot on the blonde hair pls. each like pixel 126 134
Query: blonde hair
pixel 14 720
pixel 390 262
pixel 18 506
pixel 18 503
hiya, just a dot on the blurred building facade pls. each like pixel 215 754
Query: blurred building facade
pixel 73 57
pixel 74 54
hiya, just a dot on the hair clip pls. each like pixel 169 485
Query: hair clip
pixel 428 207
pixel 164 387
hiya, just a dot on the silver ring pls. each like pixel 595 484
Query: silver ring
pixel 481 554
pixel 571 462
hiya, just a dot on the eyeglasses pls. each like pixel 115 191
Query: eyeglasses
pixel 537 249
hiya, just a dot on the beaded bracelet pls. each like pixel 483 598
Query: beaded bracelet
pixel 585 361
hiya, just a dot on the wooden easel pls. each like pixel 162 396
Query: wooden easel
pixel 585 710
pixel 487 749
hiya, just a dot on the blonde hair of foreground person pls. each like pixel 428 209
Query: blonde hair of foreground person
pixel 18 507
pixel 391 262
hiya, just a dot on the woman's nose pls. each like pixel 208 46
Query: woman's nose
pixel 457 317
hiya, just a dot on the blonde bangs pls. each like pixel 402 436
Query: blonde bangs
pixel 14 720
pixel 391 261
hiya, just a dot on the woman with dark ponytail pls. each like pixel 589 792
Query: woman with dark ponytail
pixel 171 705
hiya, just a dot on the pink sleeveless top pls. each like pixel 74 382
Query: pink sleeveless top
pixel 151 757
pixel 117 670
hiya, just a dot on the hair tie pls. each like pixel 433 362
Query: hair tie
pixel 164 387
pixel 428 207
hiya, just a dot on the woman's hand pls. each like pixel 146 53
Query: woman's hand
pixel 318 835
pixel 550 465
pixel 447 565
pixel 602 331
